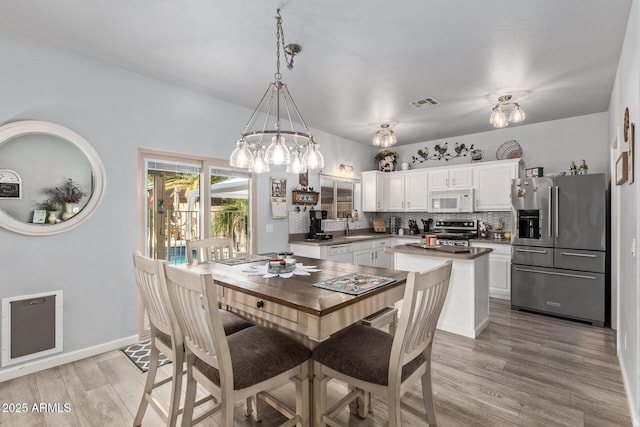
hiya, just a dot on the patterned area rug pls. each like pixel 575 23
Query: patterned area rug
pixel 140 354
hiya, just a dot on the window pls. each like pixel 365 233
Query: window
pixel 338 196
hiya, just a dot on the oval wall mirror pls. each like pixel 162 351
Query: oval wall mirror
pixel 36 157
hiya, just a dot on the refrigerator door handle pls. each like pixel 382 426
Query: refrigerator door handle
pixel 580 255
pixel 549 224
pixel 577 276
pixel 532 251
pixel 557 209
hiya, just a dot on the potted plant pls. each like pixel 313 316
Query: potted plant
pixel 387 160
pixel 52 207
pixel 68 194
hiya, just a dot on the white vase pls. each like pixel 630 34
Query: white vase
pixel 68 211
pixel 53 217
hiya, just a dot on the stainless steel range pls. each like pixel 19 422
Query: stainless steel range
pixel 455 232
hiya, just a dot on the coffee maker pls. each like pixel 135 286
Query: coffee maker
pixel 315 226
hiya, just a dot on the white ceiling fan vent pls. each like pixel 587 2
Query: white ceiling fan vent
pixel 425 102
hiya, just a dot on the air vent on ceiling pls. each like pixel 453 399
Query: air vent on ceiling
pixel 425 102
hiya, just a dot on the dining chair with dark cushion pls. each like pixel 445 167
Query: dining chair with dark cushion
pixel 235 367
pixel 372 361
pixel 166 337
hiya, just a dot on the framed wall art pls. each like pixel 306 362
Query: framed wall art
pixel 632 149
pixel 622 168
pixel 10 184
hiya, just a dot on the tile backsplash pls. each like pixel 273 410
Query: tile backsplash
pixel 299 221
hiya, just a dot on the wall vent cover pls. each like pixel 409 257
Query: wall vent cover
pixel 425 102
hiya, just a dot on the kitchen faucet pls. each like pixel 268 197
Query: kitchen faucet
pixel 346 224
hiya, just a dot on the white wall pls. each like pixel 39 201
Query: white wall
pixel 117 112
pixel 626 214
pixel 551 145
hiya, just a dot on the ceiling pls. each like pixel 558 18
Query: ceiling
pixel 363 61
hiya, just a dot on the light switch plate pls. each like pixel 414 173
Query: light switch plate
pixel 269 228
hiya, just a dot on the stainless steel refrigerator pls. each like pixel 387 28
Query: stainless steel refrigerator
pixel 560 258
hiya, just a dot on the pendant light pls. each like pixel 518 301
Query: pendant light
pixel 286 142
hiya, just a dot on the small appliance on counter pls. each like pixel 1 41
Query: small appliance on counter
pixel 378 225
pixel 315 226
pixel 426 225
pixel 413 227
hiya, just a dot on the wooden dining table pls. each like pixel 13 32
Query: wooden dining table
pixel 292 305
pixel 295 307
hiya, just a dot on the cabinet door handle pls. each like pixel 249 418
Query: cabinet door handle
pixel 532 251
pixel 579 255
pixel 551 273
pixel 553 303
pixel 260 304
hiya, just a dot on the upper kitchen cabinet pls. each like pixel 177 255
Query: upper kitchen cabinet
pixel 373 183
pixel 406 191
pixel 458 177
pixel 493 184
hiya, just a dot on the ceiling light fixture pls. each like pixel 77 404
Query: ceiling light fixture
pixel 286 143
pixel 498 117
pixel 384 137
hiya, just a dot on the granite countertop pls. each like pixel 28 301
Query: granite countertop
pixel 340 239
pixel 411 249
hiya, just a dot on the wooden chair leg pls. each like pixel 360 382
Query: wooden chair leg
pixel 189 398
pixel 427 397
pixel 302 399
pixel 148 385
pixel 176 387
pixel 395 411
pixel 319 396
pixel 227 409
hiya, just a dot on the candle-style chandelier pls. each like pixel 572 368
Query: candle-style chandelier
pixel 286 143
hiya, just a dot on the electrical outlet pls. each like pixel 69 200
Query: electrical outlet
pixel 269 228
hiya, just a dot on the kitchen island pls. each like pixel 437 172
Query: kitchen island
pixel 466 309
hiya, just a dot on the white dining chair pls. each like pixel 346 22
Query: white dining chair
pixel 166 337
pixel 235 367
pixel 372 361
pixel 209 249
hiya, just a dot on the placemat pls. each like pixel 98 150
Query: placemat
pixel 242 259
pixel 354 283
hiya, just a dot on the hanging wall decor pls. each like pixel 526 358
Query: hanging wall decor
pixel 440 152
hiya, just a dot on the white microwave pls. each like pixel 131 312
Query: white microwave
pixel 455 200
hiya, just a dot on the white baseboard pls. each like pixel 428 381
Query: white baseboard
pixel 627 390
pixel 469 333
pixel 62 358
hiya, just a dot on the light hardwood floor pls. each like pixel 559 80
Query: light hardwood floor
pixel 523 370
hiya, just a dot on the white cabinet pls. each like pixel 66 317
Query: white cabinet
pixel 406 191
pixel 499 269
pixel 373 183
pixel 459 177
pixel 371 253
pixel 493 185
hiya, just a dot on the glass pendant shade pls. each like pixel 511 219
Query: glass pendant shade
pixel 277 152
pixel 241 157
pixel 312 157
pixel 384 137
pixel 296 165
pixel 517 115
pixel 260 164
pixel 499 118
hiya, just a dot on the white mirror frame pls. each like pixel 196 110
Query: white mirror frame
pixel 29 127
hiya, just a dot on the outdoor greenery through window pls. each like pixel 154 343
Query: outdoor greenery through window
pixel 175 211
